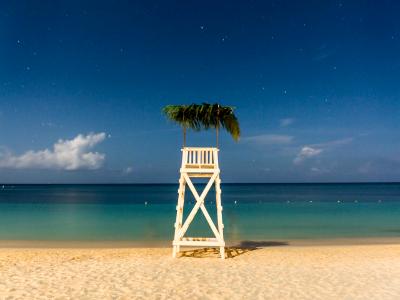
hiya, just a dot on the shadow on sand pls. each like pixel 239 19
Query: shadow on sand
pixel 232 252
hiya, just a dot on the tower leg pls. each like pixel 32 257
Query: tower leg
pixel 219 214
pixel 181 204
pixel 179 214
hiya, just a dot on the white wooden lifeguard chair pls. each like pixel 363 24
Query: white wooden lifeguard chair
pixel 199 162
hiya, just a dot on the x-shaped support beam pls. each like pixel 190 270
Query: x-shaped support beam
pixel 199 204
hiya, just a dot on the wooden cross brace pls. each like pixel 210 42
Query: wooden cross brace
pixel 199 204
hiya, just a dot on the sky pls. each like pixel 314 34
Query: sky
pixel 316 86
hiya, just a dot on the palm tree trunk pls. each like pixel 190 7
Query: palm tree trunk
pixel 184 131
pixel 184 136
pixel 217 131
pixel 217 127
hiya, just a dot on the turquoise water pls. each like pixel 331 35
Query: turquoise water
pixel 251 212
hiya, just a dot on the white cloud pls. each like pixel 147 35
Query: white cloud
pixel 319 170
pixel 270 139
pixel 286 122
pixel 65 155
pixel 305 153
pixel 128 170
pixel 316 149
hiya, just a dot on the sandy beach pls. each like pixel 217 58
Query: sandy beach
pixel 281 272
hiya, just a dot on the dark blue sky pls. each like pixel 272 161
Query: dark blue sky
pixel 315 83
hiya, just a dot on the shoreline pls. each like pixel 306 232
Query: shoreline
pixel 4 244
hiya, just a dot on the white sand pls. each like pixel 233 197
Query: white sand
pixel 293 272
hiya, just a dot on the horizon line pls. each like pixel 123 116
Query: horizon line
pixel 230 183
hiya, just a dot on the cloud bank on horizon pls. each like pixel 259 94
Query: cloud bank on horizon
pixel 67 155
pixel 305 153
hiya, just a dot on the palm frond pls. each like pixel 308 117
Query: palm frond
pixel 183 115
pixel 204 116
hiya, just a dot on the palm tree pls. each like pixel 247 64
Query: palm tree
pixel 204 116
pixel 184 115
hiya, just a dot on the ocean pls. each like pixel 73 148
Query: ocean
pixel 146 213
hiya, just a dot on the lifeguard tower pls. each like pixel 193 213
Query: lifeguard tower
pixel 200 162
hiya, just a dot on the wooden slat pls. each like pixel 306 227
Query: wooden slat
pixel 199 170
pixel 198 243
pixel 198 157
pixel 198 239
